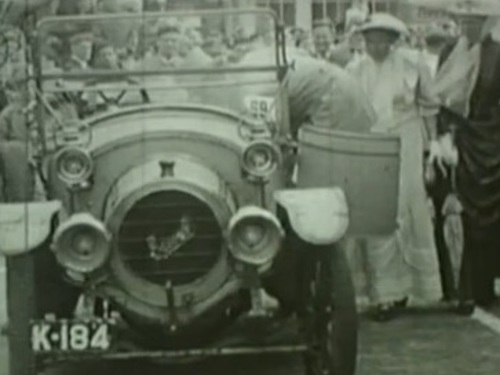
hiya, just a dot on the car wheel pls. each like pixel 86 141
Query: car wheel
pixel 334 329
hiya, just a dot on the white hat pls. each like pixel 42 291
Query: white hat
pixel 384 21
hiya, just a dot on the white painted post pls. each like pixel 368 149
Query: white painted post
pixel 303 14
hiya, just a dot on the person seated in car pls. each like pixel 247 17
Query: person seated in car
pixel 77 55
pixel 105 57
pixel 115 90
pixel 80 47
pixel 166 53
pixel 191 52
pixel 215 47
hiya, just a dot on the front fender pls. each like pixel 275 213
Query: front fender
pixel 318 216
pixel 25 226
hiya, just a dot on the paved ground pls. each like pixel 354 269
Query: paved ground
pixel 434 343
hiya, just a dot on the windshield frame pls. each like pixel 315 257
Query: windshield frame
pixel 280 67
pixel 39 78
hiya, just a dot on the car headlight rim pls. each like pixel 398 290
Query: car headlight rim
pixel 265 249
pixel 68 158
pixel 82 245
pixel 260 159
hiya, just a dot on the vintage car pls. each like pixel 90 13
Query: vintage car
pixel 174 227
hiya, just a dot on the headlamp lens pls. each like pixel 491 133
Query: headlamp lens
pixel 82 244
pixel 74 165
pixel 252 235
pixel 260 159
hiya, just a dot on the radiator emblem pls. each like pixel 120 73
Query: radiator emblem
pixel 167 168
pixel 163 248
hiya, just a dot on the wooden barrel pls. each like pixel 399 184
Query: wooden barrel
pixel 365 166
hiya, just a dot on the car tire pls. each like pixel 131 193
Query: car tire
pixel 335 317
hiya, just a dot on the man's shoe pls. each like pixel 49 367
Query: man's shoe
pixel 465 308
pixel 401 304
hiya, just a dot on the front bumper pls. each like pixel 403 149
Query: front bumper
pixel 247 336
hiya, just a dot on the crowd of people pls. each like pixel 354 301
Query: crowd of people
pixel 429 86
pixel 164 43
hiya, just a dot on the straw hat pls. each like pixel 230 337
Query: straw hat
pixel 385 22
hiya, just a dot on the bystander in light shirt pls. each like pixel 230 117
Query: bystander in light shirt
pixel 399 86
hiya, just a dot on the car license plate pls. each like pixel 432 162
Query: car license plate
pixel 70 336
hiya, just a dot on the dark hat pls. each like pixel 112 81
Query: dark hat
pixel 81 36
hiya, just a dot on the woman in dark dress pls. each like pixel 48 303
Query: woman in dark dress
pixel 471 104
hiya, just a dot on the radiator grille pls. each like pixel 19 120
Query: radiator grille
pixel 159 216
